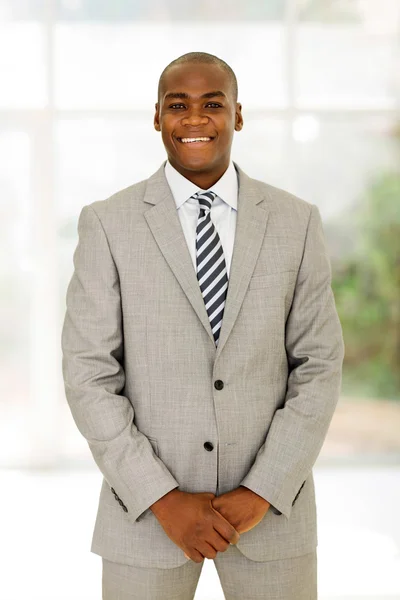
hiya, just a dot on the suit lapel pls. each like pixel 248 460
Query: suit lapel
pixel 165 225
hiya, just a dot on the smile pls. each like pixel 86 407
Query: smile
pixel 195 141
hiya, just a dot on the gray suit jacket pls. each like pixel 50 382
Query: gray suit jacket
pixel 160 406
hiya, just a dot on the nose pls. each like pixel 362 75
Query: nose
pixel 194 117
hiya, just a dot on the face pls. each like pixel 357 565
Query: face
pixel 188 109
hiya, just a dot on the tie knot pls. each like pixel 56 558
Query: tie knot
pixel 205 199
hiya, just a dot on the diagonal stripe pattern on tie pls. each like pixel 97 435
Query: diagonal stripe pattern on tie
pixel 210 264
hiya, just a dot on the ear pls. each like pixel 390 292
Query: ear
pixel 238 117
pixel 157 118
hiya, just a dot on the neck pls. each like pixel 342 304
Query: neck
pixel 202 179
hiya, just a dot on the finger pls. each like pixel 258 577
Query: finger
pixel 226 530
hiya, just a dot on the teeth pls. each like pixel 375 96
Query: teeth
pixel 198 139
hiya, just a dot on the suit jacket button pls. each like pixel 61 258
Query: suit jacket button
pixel 218 384
pixel 208 446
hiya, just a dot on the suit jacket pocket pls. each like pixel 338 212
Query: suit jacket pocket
pixel 297 495
pixel 278 280
pixel 278 512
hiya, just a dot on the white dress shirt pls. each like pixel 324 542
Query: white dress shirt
pixel 223 209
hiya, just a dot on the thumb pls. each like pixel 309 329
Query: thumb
pixel 221 516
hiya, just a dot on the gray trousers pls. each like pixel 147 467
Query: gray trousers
pixel 241 579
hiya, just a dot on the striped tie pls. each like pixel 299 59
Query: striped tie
pixel 210 261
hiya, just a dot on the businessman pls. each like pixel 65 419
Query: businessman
pixel 202 361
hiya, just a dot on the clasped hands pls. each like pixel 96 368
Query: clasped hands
pixel 242 507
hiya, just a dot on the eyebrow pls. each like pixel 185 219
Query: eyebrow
pixel 184 95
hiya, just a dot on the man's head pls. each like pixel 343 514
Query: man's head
pixel 188 108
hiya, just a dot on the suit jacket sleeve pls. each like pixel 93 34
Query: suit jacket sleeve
pixel 92 346
pixel 315 352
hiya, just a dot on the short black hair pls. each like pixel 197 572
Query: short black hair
pixel 200 57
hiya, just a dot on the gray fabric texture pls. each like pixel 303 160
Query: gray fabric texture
pixel 139 365
pixel 241 579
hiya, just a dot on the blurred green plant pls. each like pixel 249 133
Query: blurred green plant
pixel 367 294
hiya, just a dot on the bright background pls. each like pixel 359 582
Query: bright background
pixel 319 83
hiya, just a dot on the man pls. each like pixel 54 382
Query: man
pixel 202 358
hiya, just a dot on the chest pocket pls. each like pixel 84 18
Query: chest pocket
pixel 276 283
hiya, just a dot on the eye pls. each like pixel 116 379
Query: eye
pixel 180 104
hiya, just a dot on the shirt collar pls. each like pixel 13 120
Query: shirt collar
pixel 226 187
